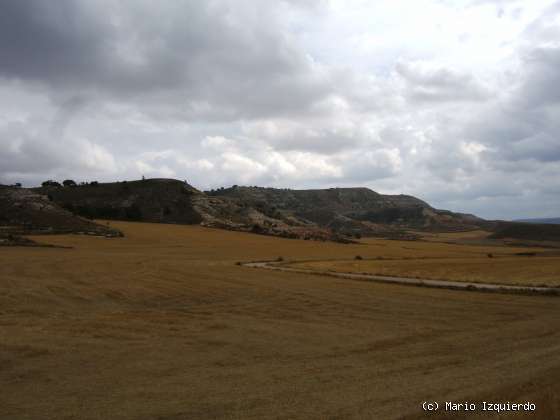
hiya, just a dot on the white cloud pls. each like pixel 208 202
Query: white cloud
pixel 96 157
pixel 217 142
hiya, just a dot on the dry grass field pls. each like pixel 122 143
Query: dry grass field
pixel 450 261
pixel 518 270
pixel 162 324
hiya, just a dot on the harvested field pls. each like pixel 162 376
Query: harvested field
pixel 523 270
pixel 162 324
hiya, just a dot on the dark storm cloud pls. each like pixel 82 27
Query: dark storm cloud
pixel 215 60
pixel 55 42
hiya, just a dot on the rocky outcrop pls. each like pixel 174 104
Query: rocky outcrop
pixel 24 212
pixel 348 211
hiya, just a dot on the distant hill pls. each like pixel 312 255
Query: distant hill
pixel 527 231
pixel 327 214
pixel 173 201
pixel 348 211
pixel 340 214
pixel 550 220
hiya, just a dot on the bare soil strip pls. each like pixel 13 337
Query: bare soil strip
pixel 443 284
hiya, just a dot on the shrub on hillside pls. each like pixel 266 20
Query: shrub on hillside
pixel 50 183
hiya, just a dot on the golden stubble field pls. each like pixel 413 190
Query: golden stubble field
pixel 162 324
pixel 448 261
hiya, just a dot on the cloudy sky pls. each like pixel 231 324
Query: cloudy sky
pixel 454 101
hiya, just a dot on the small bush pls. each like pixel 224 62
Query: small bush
pixel 50 183
pixel 358 257
pixel 490 255
pixel 280 259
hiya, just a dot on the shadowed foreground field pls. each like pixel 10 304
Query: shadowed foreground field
pixel 162 324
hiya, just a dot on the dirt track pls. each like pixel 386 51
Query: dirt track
pixel 442 284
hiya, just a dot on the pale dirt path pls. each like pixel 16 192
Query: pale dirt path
pixel 444 284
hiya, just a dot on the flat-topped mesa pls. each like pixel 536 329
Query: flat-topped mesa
pixel 342 198
pixel 348 210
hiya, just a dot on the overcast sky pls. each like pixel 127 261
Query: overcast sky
pixel 455 102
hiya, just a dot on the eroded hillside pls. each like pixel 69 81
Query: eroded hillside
pixel 24 211
pixel 331 214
